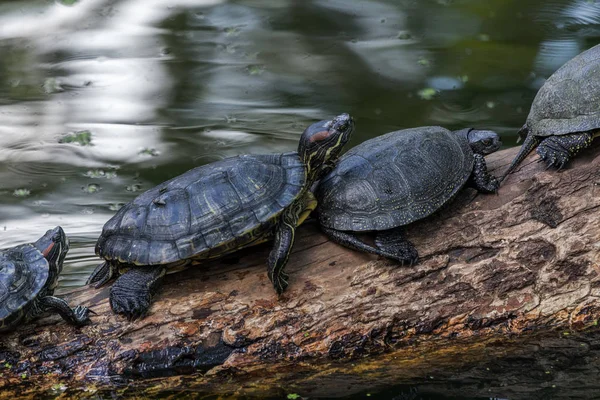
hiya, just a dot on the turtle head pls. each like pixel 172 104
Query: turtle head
pixel 322 142
pixel 481 141
pixel 54 245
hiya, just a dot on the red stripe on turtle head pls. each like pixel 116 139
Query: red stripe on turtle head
pixel 48 249
pixel 317 137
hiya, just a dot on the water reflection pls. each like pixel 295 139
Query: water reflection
pixel 166 87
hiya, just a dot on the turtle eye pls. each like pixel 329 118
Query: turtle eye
pixel 487 142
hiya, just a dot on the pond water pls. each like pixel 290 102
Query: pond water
pixel 102 99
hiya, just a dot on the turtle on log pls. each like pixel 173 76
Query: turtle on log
pixel 565 114
pixel 28 277
pixel 214 210
pixel 395 179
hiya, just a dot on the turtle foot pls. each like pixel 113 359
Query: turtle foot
pixel 131 305
pixel 556 151
pixel 392 244
pixel 553 154
pixel 131 295
pixel 280 283
pixel 405 255
pixel 81 316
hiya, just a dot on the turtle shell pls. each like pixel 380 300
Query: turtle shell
pixel 394 179
pixel 23 275
pixel 569 100
pixel 208 211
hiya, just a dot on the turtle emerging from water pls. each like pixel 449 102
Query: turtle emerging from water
pixel 214 210
pixel 395 179
pixel 28 277
pixel 565 114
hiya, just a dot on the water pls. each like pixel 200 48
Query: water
pixel 161 87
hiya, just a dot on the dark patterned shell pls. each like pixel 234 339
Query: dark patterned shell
pixel 23 275
pixel 569 101
pixel 394 179
pixel 212 209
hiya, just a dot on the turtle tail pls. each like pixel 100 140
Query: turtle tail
pixel 529 144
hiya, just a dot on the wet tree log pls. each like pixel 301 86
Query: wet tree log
pixel 501 277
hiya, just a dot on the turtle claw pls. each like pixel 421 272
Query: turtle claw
pixel 280 283
pixel 81 315
pixel 131 308
pixel 552 153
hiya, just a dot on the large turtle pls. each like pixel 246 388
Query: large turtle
pixel 214 210
pixel 28 276
pixel 565 115
pixel 398 178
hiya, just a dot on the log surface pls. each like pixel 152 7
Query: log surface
pixel 500 276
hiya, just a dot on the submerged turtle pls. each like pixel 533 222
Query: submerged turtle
pixel 28 276
pixel 214 210
pixel 565 114
pixel 398 178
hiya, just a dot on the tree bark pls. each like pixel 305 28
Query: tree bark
pixel 505 277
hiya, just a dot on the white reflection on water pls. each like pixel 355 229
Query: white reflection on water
pixel 112 66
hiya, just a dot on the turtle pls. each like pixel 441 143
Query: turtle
pixel 214 210
pixel 565 114
pixel 28 277
pixel 390 181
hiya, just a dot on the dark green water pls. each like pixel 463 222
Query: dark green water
pixel 166 86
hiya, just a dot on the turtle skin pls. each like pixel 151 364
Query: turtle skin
pixel 395 179
pixel 565 114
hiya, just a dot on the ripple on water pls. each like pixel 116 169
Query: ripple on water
pixel 81 258
pixel 447 114
pixel 80 261
pixel 36 169
pixel 568 18
pixel 553 54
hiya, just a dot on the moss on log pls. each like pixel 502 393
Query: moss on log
pixel 501 276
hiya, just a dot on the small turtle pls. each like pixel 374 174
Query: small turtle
pixel 565 115
pixel 214 210
pixel 398 178
pixel 28 276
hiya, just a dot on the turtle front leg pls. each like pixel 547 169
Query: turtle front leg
pixel 77 316
pixel 557 151
pixel 481 179
pixel 103 273
pixel 292 217
pixel 132 293
pixel 390 244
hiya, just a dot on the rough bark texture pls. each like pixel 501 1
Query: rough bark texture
pixel 506 294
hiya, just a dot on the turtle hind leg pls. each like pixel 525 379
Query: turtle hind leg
pixel 393 241
pixel 557 151
pixel 103 273
pixel 384 241
pixel 132 293
pixel 77 316
pixel 481 179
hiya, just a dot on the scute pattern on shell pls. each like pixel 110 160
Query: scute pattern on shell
pixel 222 204
pixel 569 101
pixel 23 275
pixel 394 179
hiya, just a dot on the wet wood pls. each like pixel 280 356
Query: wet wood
pixel 500 276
